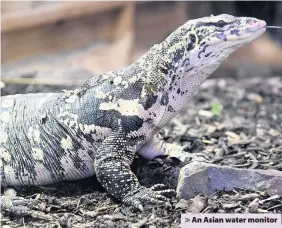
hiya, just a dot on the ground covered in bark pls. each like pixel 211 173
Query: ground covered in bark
pixel 229 122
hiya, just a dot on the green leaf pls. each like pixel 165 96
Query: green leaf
pixel 216 108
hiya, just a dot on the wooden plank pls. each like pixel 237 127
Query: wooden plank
pixel 53 13
pixel 69 44
pixel 13 6
pixel 52 38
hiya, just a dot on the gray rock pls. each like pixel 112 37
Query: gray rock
pixel 203 178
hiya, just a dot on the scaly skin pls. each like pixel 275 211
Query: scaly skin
pixel 98 128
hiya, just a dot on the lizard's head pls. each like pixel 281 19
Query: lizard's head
pixel 192 52
pixel 203 43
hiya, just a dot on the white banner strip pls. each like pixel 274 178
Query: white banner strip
pixel 190 220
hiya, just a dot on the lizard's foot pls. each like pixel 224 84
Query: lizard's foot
pixel 156 194
pixel 19 206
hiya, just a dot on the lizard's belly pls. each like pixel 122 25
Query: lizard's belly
pixel 36 149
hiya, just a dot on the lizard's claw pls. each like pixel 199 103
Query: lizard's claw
pixel 156 194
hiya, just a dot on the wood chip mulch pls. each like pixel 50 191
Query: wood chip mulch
pixel 246 133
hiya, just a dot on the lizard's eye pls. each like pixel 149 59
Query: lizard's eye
pixel 221 23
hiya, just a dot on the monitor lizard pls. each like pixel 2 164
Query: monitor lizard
pixel 98 128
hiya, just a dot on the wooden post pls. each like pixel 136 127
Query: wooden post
pixel 181 12
pixel 124 33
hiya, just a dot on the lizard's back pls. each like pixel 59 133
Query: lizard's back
pixel 47 138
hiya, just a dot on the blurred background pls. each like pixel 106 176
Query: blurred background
pixel 65 42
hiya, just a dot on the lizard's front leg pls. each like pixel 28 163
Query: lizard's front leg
pixel 112 168
pixel 157 146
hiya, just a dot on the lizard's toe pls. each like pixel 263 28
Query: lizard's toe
pixel 155 195
pixel 162 190
pixel 157 187
pixel 15 205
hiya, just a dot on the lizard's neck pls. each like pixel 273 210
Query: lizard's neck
pixel 164 83
pixel 169 85
pixel 178 94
